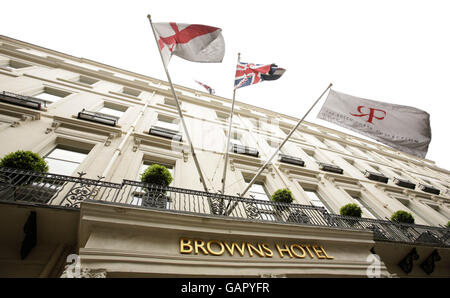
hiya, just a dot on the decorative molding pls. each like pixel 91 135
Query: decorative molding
pixel 109 139
pixel 54 126
pixel 137 143
pixel 429 264
pixel 232 167
pixel 15 124
pixel 406 264
pixel 185 155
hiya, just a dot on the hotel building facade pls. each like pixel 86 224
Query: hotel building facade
pixel 98 127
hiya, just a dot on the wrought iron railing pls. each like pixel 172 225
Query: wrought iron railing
pixel 27 187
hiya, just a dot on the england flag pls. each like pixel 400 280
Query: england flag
pixel 197 43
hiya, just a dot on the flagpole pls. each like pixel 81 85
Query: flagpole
pixel 202 179
pixel 281 145
pixel 224 177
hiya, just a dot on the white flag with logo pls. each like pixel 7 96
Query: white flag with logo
pixel 402 127
pixel 198 43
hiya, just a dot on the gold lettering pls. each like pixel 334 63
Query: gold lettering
pixel 217 248
pixel 199 244
pixel 268 251
pixel 233 245
pixel 285 249
pixel 325 253
pixel 318 252
pixel 257 250
pixel 309 252
pixel 299 248
pixel 185 246
pixel 211 251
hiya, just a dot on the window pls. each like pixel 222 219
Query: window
pixel 87 80
pixel 286 131
pixel 65 160
pixel 235 138
pixel 405 201
pixel 137 200
pixel 168 123
pixel 366 209
pixel 145 164
pixel 11 64
pixel 316 200
pixel 51 95
pixel 132 92
pixel 274 145
pixel 222 116
pixel 110 111
pixel 258 191
pixel 170 102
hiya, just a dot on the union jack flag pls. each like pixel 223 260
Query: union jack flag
pixel 209 89
pixel 249 73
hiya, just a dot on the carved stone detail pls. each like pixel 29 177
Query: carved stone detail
pixel 54 126
pixel 407 262
pixel 137 143
pixel 185 155
pixel 428 265
pixel 109 139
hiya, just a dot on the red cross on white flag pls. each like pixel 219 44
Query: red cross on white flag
pixel 197 43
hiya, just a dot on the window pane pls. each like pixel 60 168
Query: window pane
pixel 110 111
pixel 48 97
pixel 61 167
pixel 259 192
pixel 366 209
pixel 168 125
pixel 67 155
pixel 234 141
pixel 315 200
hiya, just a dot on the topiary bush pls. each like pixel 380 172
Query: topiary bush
pixel 27 161
pixel 402 217
pixel 283 196
pixel 157 174
pixel 24 160
pixel 351 209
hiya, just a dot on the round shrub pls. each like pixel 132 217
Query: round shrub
pixel 283 196
pixel 24 160
pixel 157 174
pixel 351 209
pixel 402 217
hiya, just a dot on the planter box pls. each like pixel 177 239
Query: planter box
pixel 21 100
pixel 330 168
pixel 376 177
pixel 291 160
pixel 165 133
pixel 429 189
pixel 244 150
pixel 98 117
pixel 404 183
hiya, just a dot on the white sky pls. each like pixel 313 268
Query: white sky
pixel 391 51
